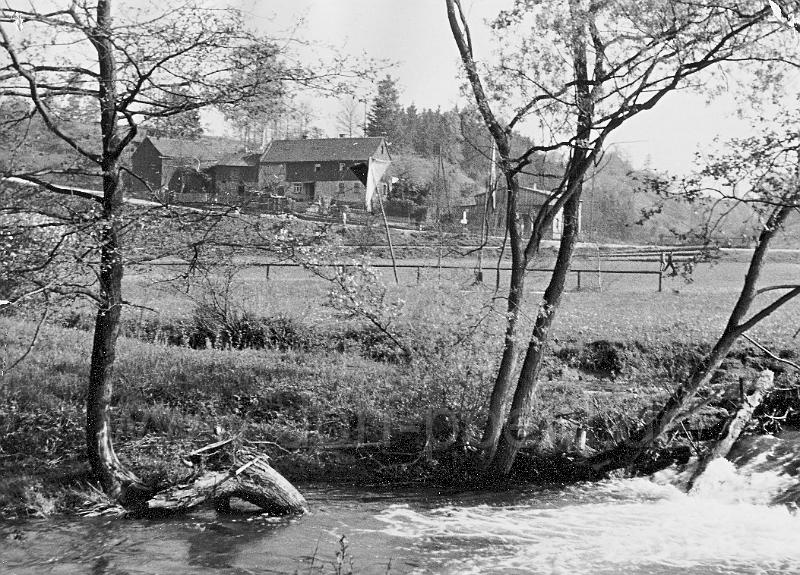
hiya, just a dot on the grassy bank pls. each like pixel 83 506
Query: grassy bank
pixel 334 402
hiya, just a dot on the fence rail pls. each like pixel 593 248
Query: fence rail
pixel 419 267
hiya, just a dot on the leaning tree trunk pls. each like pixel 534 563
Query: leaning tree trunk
pixel 627 453
pixel 115 480
pixel 735 425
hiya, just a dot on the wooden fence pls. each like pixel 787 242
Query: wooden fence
pixel 580 272
pixel 665 257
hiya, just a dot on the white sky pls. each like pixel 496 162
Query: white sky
pixel 415 34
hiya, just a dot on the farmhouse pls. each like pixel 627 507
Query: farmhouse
pixel 179 168
pixel 529 201
pixel 310 170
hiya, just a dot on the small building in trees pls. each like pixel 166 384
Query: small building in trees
pixel 234 175
pixel 177 168
pixel 319 169
pixel 529 202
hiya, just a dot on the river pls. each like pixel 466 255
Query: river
pixel 634 526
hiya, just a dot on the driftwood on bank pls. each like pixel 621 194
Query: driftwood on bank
pixel 735 424
pixel 224 470
pixel 248 476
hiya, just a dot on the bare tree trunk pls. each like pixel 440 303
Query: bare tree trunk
pixel 113 477
pixel 501 390
pixel 514 433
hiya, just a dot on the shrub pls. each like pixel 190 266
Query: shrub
pixel 406 209
pixel 371 343
pixel 245 330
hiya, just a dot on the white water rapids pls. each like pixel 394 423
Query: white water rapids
pixel 740 518
pixel 727 524
pixel 642 528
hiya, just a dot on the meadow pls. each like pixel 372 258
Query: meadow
pixel 614 306
pixel 332 399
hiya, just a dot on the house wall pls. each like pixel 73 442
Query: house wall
pixel 146 164
pixel 528 205
pixel 348 192
pixel 227 179
pixel 319 172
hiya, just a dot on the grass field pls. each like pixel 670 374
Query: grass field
pixel 622 307
pixel 299 402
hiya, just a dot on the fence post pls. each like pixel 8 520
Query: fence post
pixel 660 278
pixel 268 271
pixel 599 271
pixel 579 280
pixel 418 274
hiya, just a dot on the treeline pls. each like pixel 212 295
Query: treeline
pixel 442 158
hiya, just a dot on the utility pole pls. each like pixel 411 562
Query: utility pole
pixel 365 115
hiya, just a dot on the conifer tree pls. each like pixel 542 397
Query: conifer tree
pixel 383 118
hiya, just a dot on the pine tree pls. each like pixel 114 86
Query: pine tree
pixel 385 115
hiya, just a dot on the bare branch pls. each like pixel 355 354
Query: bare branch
pixel 769 353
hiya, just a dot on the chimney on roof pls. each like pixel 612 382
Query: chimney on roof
pixel 304 136
pixel 342 135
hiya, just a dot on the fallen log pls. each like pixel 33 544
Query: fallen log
pixel 735 425
pixel 262 486
pixel 246 475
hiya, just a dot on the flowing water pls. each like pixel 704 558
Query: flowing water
pixel 729 524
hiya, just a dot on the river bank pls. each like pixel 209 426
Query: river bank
pixel 343 415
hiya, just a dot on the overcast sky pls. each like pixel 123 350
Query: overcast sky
pixel 415 34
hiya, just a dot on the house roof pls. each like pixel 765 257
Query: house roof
pixel 203 149
pixel 321 150
pixel 527 196
pixel 239 160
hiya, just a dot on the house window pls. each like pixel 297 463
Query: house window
pixel 358 187
pixel 341 166
pixel 317 167
pixel 297 188
pixel 341 188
